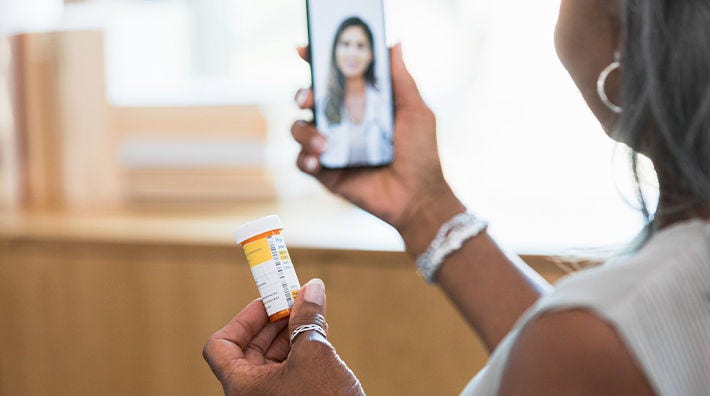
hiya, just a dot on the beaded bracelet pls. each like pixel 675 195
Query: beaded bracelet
pixel 450 238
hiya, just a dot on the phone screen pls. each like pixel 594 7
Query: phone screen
pixel 352 86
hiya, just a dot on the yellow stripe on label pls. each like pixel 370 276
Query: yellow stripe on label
pixel 257 252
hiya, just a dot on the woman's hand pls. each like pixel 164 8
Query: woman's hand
pixel 408 194
pixel 251 356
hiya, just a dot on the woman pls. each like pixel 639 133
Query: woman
pixel 354 109
pixel 634 326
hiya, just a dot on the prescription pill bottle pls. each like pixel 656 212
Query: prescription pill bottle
pixel 270 264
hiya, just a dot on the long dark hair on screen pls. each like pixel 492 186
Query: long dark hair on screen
pixel 666 100
pixel 336 80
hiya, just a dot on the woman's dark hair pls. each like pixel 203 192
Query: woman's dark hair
pixel 666 99
pixel 336 80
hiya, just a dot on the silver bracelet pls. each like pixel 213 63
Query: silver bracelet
pixel 450 238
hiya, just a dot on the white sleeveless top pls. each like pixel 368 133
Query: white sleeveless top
pixel 368 143
pixel 658 300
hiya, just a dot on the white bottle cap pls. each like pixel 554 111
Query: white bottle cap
pixel 256 227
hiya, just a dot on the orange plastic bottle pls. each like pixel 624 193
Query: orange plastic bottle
pixel 270 264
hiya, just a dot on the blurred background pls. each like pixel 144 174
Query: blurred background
pixel 136 134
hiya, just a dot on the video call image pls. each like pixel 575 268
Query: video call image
pixel 351 79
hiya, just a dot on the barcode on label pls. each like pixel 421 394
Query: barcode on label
pixel 278 264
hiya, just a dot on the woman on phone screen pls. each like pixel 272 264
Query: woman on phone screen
pixel 353 108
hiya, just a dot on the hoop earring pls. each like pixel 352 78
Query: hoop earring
pixel 601 82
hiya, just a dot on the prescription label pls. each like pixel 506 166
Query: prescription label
pixel 273 273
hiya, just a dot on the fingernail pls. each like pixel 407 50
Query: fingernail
pixel 301 97
pixel 319 144
pixel 315 292
pixel 310 164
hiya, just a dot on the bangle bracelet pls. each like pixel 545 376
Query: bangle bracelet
pixel 450 238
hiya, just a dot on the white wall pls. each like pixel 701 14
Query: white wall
pixel 29 15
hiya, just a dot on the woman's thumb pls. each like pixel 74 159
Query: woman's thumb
pixel 403 85
pixel 309 309
pixel 315 366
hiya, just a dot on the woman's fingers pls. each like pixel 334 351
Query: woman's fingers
pixel 246 325
pixel 279 349
pixel 257 349
pixel 304 98
pixel 313 144
pixel 227 345
pixel 311 141
pixel 303 52
pixel 308 163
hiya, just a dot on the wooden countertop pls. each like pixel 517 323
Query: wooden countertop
pixel 312 222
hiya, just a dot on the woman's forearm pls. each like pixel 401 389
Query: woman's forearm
pixel 480 278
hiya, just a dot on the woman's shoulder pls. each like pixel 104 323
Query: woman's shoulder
pixel 657 302
pixel 571 352
pixel 646 313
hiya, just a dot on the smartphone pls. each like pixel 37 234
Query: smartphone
pixel 352 85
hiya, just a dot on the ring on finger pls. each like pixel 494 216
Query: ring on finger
pixel 309 327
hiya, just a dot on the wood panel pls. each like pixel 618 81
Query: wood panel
pixel 103 318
